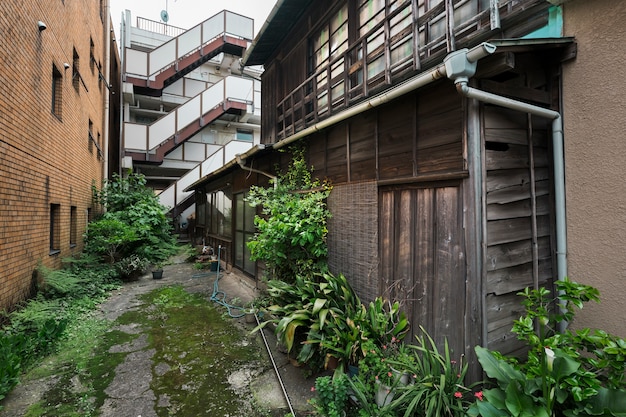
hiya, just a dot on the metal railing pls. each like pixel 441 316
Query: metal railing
pixel 147 65
pixel 145 138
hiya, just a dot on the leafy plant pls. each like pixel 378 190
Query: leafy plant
pixel 438 387
pixel 570 373
pixel 332 395
pixel 291 232
pixel 135 223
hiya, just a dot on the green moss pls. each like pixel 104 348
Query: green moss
pixel 196 349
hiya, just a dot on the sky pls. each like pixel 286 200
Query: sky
pixel 188 13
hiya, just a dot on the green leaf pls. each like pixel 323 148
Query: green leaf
pixel 496 368
pixel 516 401
pixel 318 304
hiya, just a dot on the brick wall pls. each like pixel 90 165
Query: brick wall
pixel 44 158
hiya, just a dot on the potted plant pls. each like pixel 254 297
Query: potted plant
pixel 157 271
pixel 332 395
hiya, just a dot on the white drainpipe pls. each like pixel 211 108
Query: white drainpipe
pixel 460 68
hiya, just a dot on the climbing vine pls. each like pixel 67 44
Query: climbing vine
pixel 292 226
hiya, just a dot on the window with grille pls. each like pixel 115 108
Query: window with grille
pixel 55 229
pixel 73 226
pixel 57 91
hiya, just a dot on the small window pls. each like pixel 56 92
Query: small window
pixel 57 91
pixel 73 226
pixel 75 73
pixel 90 138
pixel 246 135
pixel 92 57
pixel 55 229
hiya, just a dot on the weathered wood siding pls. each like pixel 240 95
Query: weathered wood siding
pixel 422 258
pixel 519 217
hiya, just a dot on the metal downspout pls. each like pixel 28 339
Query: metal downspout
pixel 473 55
pixel 559 168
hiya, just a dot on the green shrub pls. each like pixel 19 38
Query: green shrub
pixel 135 223
pixel 291 232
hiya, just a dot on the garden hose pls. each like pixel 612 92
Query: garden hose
pixel 219 296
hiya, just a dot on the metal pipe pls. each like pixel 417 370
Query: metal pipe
pixel 280 380
pixel 558 158
pixel 424 78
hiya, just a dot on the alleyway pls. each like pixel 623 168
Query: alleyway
pixel 133 389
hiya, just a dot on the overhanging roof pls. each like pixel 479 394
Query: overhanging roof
pixel 279 23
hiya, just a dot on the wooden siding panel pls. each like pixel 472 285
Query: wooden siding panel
pixel 395 140
pixel 513 230
pixel 425 259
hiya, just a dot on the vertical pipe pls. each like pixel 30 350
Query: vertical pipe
pixel 559 169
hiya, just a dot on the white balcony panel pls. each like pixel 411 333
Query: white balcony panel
pixel 175 154
pixel 212 27
pixel 194 87
pixel 176 88
pixel 135 136
pixel 234 147
pixel 188 112
pixel 185 181
pixel 194 151
pixel 162 57
pixel 162 129
pixel 189 41
pixel 136 63
pixel 239 25
pixel 239 88
pixel 167 196
pixel 213 162
pixel 212 96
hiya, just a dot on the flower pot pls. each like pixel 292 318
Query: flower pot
pixel 384 394
pixel 400 377
pixel 331 362
pixel 353 370
pixel 250 318
pixel 158 274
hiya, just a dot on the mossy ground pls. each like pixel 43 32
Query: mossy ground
pixel 197 352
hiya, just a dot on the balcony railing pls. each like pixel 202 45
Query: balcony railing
pixel 147 138
pixel 147 65
pixel 401 44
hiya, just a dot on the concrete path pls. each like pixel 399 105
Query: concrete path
pixel 129 395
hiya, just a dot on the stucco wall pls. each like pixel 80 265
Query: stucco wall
pixel 594 106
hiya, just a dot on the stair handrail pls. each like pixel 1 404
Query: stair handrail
pixel 147 138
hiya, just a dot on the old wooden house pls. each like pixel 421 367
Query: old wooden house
pixel 438 123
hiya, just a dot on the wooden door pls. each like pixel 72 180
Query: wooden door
pixel 422 259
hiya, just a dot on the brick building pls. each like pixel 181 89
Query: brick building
pixel 56 109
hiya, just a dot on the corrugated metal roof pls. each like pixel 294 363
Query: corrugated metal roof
pixel 280 21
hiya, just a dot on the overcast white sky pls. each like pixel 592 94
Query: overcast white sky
pixel 188 13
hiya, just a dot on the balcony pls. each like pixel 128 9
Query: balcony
pixel 406 40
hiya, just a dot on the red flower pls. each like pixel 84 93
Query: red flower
pixel 312 389
pixel 389 374
pixel 458 394
pixel 479 395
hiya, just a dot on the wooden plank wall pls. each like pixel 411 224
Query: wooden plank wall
pixel 423 259
pixel 519 210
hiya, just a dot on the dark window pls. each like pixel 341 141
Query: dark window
pixel 55 229
pixel 90 138
pixel 247 135
pixel 57 91
pixel 75 72
pixel 73 225
pixel 92 57
pixel 221 214
pixel 244 230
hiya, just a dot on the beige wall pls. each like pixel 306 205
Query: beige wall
pixel 594 107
